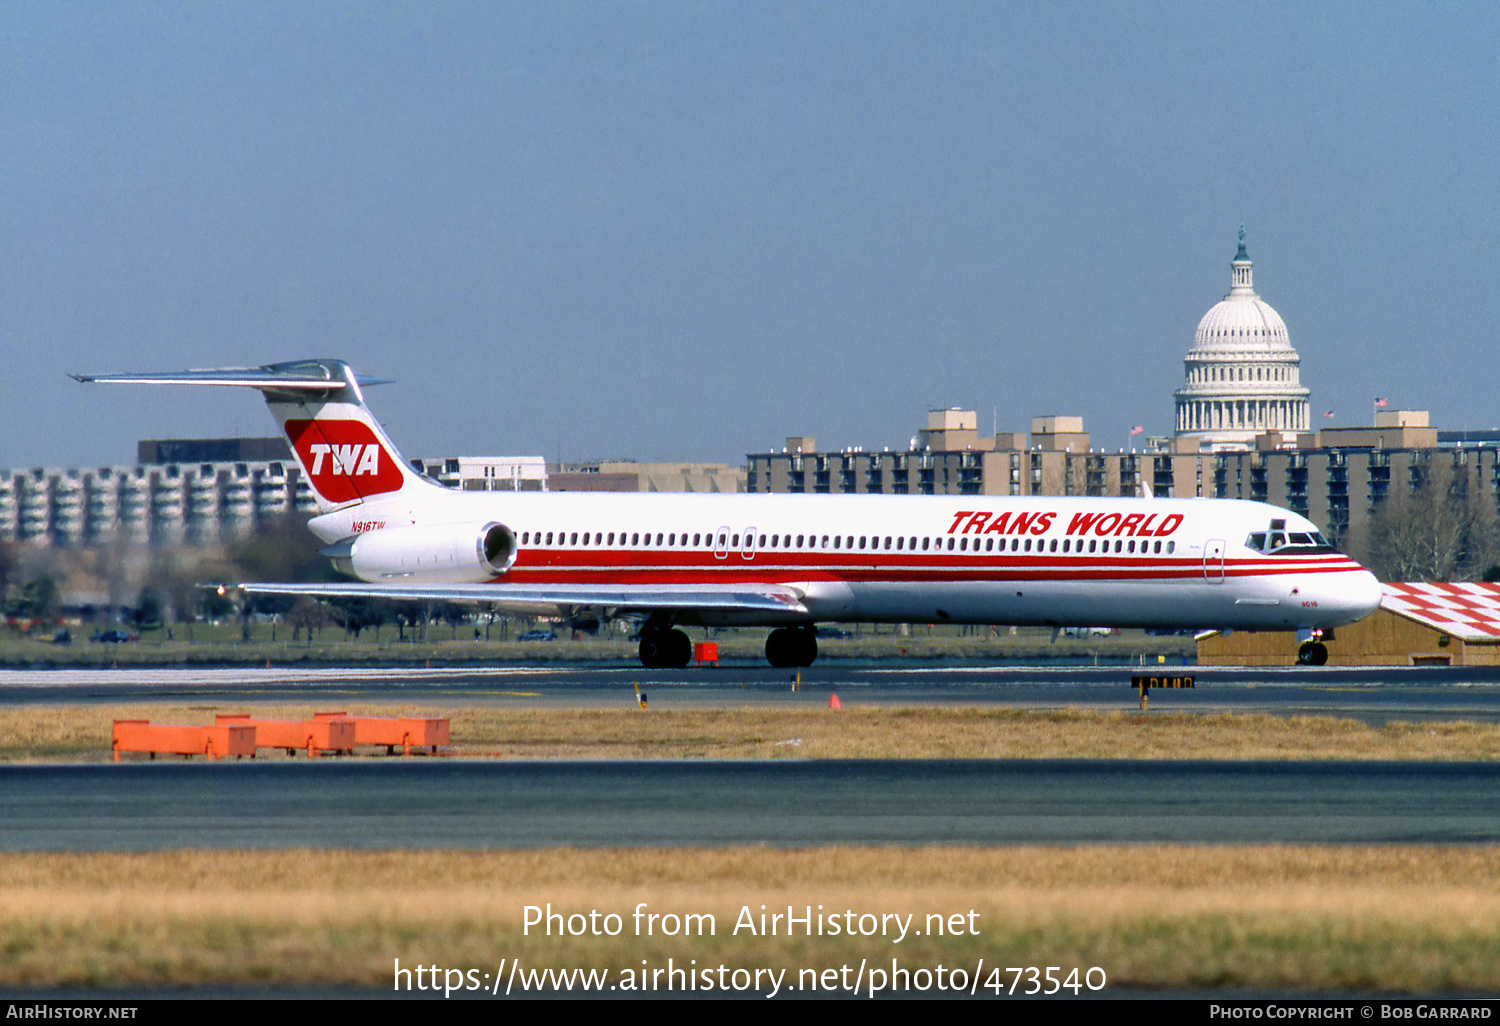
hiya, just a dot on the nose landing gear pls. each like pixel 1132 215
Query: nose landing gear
pixel 1312 653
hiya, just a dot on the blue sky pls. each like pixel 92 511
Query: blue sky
pixel 684 231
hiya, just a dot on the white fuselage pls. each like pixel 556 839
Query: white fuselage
pixel 964 559
pixel 784 559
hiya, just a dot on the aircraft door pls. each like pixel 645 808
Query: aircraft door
pixel 721 544
pixel 747 550
pixel 1213 560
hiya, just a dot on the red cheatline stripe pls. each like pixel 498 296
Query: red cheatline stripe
pixel 624 559
pixel 779 575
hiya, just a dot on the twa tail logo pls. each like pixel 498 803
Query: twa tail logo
pixel 343 459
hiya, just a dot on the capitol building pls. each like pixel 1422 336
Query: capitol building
pixel 1242 372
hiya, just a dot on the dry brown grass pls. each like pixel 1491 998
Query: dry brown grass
pixel 81 733
pixel 1412 919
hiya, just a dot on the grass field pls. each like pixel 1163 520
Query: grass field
pixel 1390 919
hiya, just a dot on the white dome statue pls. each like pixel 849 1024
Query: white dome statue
pixel 1242 372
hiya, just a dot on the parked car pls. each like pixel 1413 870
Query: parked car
pixel 112 636
pixel 538 636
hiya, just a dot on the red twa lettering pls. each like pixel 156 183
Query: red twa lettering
pixel 1080 523
pixel 989 522
pixel 1106 524
pixel 1137 525
pixel 343 459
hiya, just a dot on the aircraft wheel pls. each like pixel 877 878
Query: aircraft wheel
pixel 779 648
pixel 653 649
pixel 807 647
pixel 678 650
pixel 665 650
pixel 1312 653
pixel 791 646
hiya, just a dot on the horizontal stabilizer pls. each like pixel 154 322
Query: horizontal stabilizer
pixel 306 376
pixel 344 453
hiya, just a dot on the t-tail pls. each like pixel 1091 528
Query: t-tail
pixel 345 455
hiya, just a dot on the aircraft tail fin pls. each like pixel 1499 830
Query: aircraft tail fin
pixel 345 455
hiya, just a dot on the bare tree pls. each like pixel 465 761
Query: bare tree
pixel 1440 530
pixel 309 615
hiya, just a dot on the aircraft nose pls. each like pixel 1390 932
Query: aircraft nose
pixel 1357 595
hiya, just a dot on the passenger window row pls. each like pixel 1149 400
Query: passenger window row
pixel 861 543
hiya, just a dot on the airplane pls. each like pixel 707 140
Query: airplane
pixel 788 562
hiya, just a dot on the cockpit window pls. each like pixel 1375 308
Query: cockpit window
pixel 1282 543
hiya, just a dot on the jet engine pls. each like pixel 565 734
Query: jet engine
pixel 436 554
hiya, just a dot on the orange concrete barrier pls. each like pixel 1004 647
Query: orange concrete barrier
pixel 404 732
pixel 311 736
pixel 214 742
pixel 706 653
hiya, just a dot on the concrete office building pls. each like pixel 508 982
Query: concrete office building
pixel 200 492
pixel 630 476
pixel 147 504
pixel 487 473
pixel 950 457
pixel 1335 477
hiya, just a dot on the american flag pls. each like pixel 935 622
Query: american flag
pixel 1328 414
pixel 1380 400
pixel 1137 429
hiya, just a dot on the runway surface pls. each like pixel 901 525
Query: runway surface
pixel 455 804
pixel 1373 695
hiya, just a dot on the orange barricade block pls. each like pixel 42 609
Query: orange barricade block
pixel 311 736
pixel 706 652
pixel 404 732
pixel 214 742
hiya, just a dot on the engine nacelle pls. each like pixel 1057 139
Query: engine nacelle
pixel 439 554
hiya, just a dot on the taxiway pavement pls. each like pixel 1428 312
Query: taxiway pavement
pixel 438 803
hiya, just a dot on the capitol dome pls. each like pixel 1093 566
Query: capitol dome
pixel 1242 375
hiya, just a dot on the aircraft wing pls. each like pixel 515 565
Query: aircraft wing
pixel 531 598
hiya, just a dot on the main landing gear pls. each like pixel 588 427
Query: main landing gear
pixel 665 648
pixel 792 646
